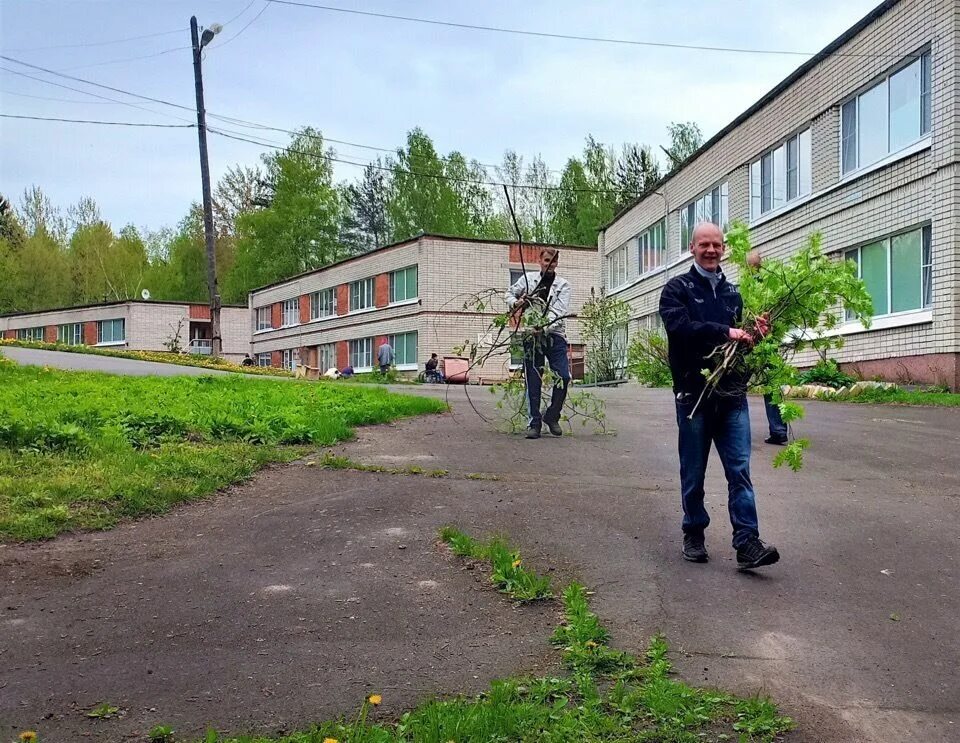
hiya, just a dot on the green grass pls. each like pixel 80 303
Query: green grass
pixel 160 357
pixel 84 450
pixel 906 397
pixel 621 699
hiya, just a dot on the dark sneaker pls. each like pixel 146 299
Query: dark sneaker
pixel 694 549
pixel 533 433
pixel 776 440
pixel 755 554
pixel 554 428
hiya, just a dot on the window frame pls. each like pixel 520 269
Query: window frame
pixel 393 282
pixel 617 267
pixel 367 354
pixel 361 289
pixel 647 245
pixel 113 340
pixel 924 277
pixel 405 364
pixel 924 112
pixel 331 360
pixel 290 310
pixel 70 334
pixel 323 303
pixel 264 357
pixel 693 212
pixel 290 359
pixel 262 319
pixel 764 175
pixel 34 334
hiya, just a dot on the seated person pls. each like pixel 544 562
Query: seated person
pixel 431 371
pixel 346 371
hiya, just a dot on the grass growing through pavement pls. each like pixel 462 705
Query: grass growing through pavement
pixel 608 695
pixel 507 571
pixel 83 450
pixel 906 397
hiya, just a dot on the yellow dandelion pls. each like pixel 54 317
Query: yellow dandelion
pixel 28 735
pixel 516 564
pixel 330 740
pixel 375 699
pixel 590 644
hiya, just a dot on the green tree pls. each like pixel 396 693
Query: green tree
pixel 10 228
pixel 685 139
pixel 42 274
pixel 637 170
pixel 365 225
pixel 38 215
pixel 89 255
pixel 299 230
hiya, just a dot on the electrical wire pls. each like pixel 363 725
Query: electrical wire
pixel 566 37
pixel 58 100
pixel 93 121
pixel 125 59
pixel 245 9
pixel 249 23
pixel 98 43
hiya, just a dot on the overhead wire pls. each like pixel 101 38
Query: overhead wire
pixel 249 23
pixel 98 121
pixel 97 43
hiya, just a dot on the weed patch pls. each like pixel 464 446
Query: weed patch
pixel 83 450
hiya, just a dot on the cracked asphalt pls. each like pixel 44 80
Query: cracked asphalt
pixel 287 599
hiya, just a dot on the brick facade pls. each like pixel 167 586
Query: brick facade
pixel 276 315
pixel 531 255
pixel 90 333
pixel 381 290
pixel 276 359
pixel 50 334
pixel 343 354
pixel 304 307
pixel 343 299
pixel 199 312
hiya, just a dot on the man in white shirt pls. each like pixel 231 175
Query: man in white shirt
pixel 548 294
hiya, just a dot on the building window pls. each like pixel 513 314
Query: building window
pixel 361 353
pixel 263 318
pixel 290 312
pixel 897 271
pixel 712 206
pixel 30 334
pixel 404 348
pixel 888 117
pixel 403 284
pixel 361 294
pixel 652 248
pixel 264 359
pixel 327 356
pixel 781 175
pixel 617 267
pixel 323 303
pixel 70 335
pixel 290 358
pixel 112 331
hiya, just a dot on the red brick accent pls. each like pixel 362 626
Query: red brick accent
pixel 276 358
pixel 930 368
pixel 343 354
pixel 90 333
pixel 199 312
pixel 9 333
pixel 305 308
pixel 50 334
pixel 343 300
pixel 531 254
pixel 381 290
pixel 275 317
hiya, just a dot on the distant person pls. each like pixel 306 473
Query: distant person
pixel 385 357
pixel 432 372
pixel 346 371
pixel 247 361
pixel 549 344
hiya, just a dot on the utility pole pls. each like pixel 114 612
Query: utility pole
pixel 216 346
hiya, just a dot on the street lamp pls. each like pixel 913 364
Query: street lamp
pixel 198 43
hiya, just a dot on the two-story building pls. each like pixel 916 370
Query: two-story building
pixel 861 144
pixel 418 294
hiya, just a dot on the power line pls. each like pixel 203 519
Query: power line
pixel 548 35
pixel 417 174
pixel 249 23
pixel 245 9
pixel 58 100
pixel 98 43
pixel 93 121
pixel 124 59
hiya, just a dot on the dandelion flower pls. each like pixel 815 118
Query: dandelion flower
pixel 590 644
pixel 330 740
pixel 516 564
pixel 375 699
pixel 28 736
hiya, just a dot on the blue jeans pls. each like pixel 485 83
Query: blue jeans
pixel 724 422
pixel 551 348
pixel 778 429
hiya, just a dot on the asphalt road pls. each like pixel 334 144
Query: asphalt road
pixel 285 600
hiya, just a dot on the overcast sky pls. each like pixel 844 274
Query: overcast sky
pixel 370 80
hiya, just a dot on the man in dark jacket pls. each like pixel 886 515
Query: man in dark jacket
pixel 700 311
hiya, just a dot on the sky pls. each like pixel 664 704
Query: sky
pixel 370 80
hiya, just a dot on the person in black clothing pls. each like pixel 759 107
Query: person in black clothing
pixel 431 372
pixel 247 361
pixel 701 311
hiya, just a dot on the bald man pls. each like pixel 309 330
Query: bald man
pixel 700 311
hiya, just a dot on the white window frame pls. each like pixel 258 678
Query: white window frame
pixel 926 269
pixel 113 341
pixel 924 113
pixel 652 248
pixel 323 303
pixel 70 334
pixel 701 209
pixel 290 312
pixel 264 359
pixel 30 334
pixel 617 274
pixel 262 319
pixel 361 295
pixel 801 182
pixel 326 356
pixel 362 353
pixel 290 359
pixel 405 364
pixel 402 276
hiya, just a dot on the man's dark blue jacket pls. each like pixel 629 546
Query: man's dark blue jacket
pixel 697 320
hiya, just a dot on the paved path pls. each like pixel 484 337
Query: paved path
pixel 111 364
pixel 287 599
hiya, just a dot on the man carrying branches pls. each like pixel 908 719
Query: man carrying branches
pixel 547 296
pixel 700 312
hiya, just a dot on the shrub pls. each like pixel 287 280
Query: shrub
pixel 828 374
pixel 647 359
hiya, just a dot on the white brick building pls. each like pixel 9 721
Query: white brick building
pixel 860 143
pixel 134 325
pixel 413 293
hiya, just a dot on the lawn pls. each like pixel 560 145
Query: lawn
pixel 83 450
